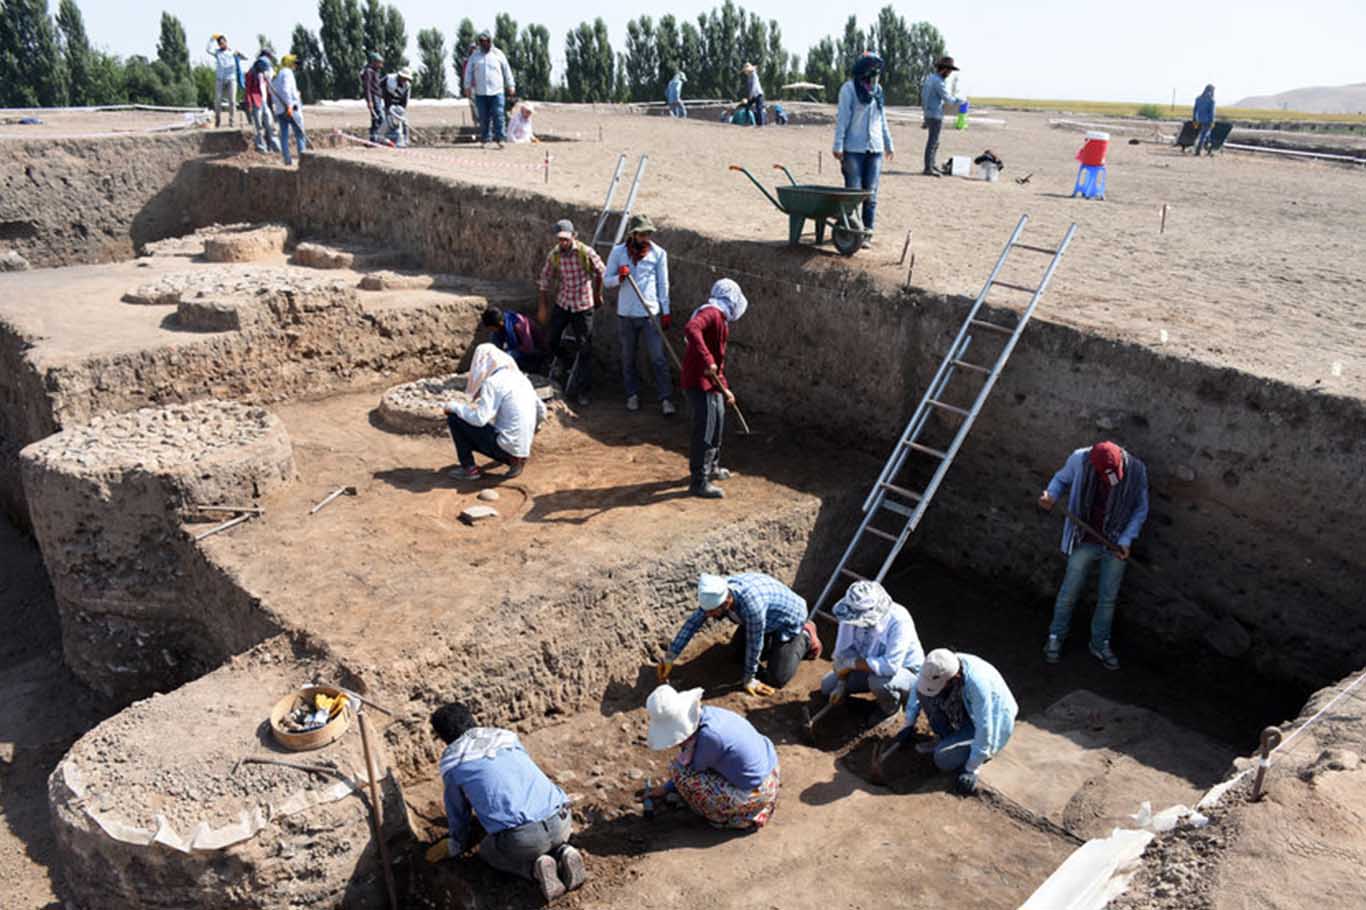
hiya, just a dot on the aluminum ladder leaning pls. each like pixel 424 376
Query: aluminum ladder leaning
pixel 599 241
pixel 888 494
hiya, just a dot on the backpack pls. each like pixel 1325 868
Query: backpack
pixel 580 248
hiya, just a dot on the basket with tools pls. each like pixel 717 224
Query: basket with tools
pixel 311 717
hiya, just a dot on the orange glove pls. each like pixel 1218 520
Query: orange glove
pixel 666 321
pixel 624 272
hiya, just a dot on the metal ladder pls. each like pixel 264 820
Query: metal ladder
pixel 625 213
pixel 887 495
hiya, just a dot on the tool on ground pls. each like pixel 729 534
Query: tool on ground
pixel 298 766
pixel 625 212
pixel 339 491
pixel 835 206
pixel 230 523
pixel 809 720
pixel 889 494
pixel 365 700
pixel 196 507
pixel 654 319
pixel 377 811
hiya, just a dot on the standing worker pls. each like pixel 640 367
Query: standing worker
pixel 526 819
pixel 934 94
pixel 673 95
pixel 224 78
pixel 754 93
pixel 1108 489
pixel 1203 116
pixel 876 649
pixel 861 134
pixel 704 382
pixel 489 77
pixel 575 271
pixel 771 620
pixel 643 261
pixel 370 78
pixel 257 93
pixel 288 105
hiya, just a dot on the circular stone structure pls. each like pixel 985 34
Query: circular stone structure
pixel 228 281
pixel 417 408
pixel 138 613
pixel 247 242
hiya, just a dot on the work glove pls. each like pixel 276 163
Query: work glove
pixel 624 272
pixel 662 671
pixel 966 784
pixel 838 695
pixel 754 687
pixel 666 321
pixel 439 850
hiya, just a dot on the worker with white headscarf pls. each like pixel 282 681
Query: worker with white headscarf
pixel 499 419
pixel 877 649
pixel 704 382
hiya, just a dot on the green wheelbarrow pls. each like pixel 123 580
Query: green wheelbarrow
pixel 833 205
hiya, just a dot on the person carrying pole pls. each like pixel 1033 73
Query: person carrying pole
pixel 704 382
pixel 224 78
pixel 639 266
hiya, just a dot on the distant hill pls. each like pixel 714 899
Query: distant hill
pixel 1318 99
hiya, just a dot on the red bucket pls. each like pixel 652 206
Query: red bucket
pixel 1093 153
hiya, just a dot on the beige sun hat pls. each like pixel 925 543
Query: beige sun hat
pixel 674 716
pixel 941 665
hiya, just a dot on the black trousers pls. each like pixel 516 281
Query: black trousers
pixel 779 660
pixel 708 423
pixel 581 368
pixel 932 129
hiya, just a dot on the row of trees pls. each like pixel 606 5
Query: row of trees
pixel 50 62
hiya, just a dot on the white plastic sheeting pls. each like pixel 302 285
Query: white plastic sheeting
pixel 1095 873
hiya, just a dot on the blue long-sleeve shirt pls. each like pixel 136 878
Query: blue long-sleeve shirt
pixel 1069 477
pixel 860 127
pixel 504 790
pixel 1203 112
pixel 674 90
pixel 729 745
pixel 764 605
pixel 934 94
pixel 651 273
pixel 887 647
pixel 990 707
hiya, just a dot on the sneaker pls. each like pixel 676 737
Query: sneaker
pixel 515 467
pixel 1052 651
pixel 572 872
pixel 466 473
pixel 546 874
pixel 868 241
pixel 719 474
pixel 707 491
pixel 932 173
pixel 1105 656
pixel 633 402
pixel 666 407
pixel 499 144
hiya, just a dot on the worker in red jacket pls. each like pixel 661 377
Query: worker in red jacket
pixel 704 382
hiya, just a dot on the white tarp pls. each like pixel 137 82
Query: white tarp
pixel 1093 875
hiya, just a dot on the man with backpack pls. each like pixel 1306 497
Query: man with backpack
pixel 575 271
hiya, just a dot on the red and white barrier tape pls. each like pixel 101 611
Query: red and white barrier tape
pixel 539 167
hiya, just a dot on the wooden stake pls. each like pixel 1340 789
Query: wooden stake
pixel 906 248
pixel 599 132
pixel 547 165
pixel 819 156
pixel 1163 229
pixel 377 811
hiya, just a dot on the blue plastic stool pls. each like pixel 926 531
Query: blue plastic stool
pixel 1090 182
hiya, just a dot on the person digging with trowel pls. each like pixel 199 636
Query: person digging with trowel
pixel 772 624
pixel 1108 489
pixel 725 770
pixel 877 649
pixel 704 382
pixel 526 818
pixel 970 710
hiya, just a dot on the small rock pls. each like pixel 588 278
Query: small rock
pixel 488 495
pixel 1184 473
pixel 596 771
pixel 1105 422
pixel 10 261
pixel 636 774
pixel 478 513
pixel 566 777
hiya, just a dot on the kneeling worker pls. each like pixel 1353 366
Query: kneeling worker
pixel 968 706
pixel 500 420
pixel 525 817
pixel 772 619
pixel 877 649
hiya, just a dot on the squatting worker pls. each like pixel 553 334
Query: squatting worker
pixel 725 770
pixel 501 418
pixel 395 90
pixel 861 134
pixel 575 271
pixel 370 78
pixel 1202 114
pixel 641 259
pixel 704 382
pixel 772 626
pixel 934 94
pixel 526 818
pixel 968 707
pixel 488 77
pixel 288 105
pixel 224 78
pixel 876 650
pixel 1107 488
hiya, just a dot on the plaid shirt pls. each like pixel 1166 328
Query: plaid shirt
pixel 763 605
pixel 575 292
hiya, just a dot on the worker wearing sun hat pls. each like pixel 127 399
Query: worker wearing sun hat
pixel 725 770
pixel 877 649
pixel 934 95
pixel 969 708
pixel 754 93
pixel 288 106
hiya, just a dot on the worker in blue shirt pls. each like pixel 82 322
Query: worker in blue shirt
pixel 1203 117
pixel 526 818
pixel 934 94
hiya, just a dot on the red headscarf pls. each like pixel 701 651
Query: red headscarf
pixel 1108 458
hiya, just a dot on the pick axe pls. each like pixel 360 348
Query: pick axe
pixel 339 491
pixel 809 720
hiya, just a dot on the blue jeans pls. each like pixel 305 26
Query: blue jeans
pixel 1203 140
pixel 933 125
pixel 629 328
pixel 863 171
pixel 491 117
pixel 1078 567
pixel 890 691
pixel 756 105
pixel 676 109
pixel 953 751
pixel 288 126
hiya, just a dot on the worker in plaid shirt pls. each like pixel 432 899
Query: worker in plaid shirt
pixel 772 619
pixel 575 271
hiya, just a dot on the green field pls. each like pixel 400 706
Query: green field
pixel 1182 111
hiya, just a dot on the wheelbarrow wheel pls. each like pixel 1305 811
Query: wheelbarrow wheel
pixel 847 241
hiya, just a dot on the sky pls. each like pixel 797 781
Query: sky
pixel 1006 48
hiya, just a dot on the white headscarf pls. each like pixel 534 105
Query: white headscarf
pixel 488 359
pixel 727 297
pixel 864 605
